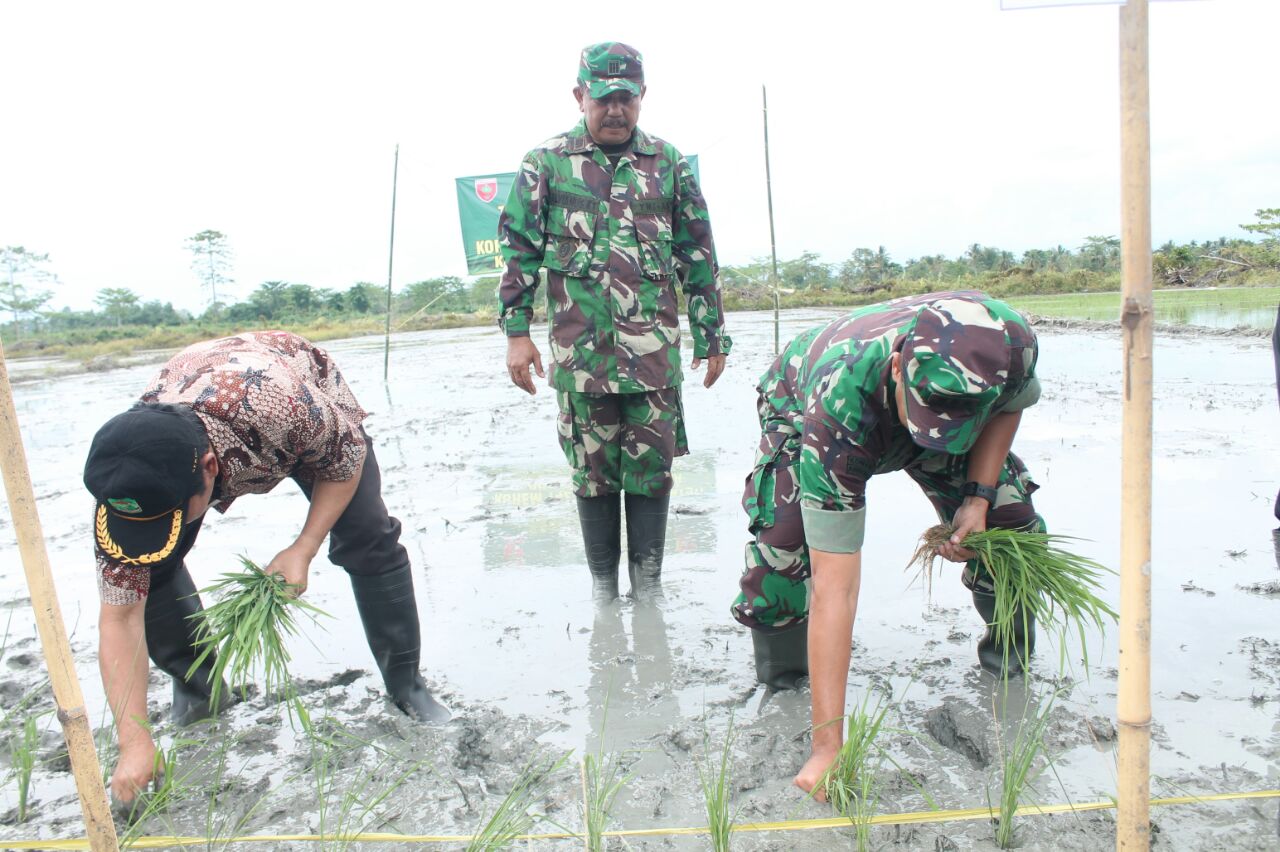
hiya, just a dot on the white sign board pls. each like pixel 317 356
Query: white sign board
pixel 1009 5
pixel 1013 5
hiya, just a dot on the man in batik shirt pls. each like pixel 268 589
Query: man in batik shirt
pixel 223 419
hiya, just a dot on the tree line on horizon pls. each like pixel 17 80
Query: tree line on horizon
pixel 866 275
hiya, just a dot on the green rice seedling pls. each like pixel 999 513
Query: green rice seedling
pixel 851 784
pixel 225 819
pixel 1033 575
pixel 715 774
pixel 514 815
pixel 1018 767
pixel 603 777
pixel 22 758
pixel 347 805
pixel 175 783
pixel 246 629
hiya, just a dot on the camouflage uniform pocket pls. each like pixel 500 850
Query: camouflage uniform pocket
pixel 567 254
pixel 570 230
pixel 655 256
pixel 758 495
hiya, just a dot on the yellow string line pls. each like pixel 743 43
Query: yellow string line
pixel 159 842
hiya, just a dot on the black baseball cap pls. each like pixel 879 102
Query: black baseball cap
pixel 143 467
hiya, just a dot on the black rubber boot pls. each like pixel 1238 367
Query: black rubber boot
pixel 646 541
pixel 389 613
pixel 992 655
pixel 782 656
pixel 601 519
pixel 171 639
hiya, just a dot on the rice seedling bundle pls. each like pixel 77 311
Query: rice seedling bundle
pixel 246 630
pixel 1033 575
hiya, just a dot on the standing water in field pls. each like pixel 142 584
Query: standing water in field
pixel 512 642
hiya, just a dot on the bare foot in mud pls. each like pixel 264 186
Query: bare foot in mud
pixel 814 770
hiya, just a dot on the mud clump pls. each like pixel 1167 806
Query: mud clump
pixel 961 729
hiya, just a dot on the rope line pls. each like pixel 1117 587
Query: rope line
pixel 915 818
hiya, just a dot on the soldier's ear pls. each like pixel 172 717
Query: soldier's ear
pixel 643 89
pixel 577 93
pixel 895 366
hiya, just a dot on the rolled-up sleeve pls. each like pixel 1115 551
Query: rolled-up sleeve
pixel 832 471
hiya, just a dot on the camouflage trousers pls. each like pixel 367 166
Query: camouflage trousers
pixel 774 589
pixel 621 442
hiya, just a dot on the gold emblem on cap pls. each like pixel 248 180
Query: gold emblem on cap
pixel 112 550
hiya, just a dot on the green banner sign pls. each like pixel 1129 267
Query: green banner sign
pixel 480 202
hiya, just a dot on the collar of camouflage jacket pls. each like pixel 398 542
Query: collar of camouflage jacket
pixel 580 141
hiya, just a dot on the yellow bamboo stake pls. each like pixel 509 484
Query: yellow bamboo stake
pixel 99 828
pixel 1133 703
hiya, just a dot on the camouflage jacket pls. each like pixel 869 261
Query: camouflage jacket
pixel 614 242
pixel 827 404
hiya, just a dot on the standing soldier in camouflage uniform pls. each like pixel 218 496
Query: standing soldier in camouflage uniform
pixel 616 218
pixel 934 385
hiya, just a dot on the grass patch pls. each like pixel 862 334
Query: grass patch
pixel 1033 576
pixel 246 630
pixel 1226 306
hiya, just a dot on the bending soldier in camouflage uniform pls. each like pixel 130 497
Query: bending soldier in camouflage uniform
pixel 934 385
pixel 616 218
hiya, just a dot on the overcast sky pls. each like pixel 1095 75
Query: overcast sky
pixel 920 125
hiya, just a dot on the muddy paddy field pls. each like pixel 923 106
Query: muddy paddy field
pixel 532 672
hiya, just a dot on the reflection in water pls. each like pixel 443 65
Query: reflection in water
pixel 1216 317
pixel 531 519
pixel 629 699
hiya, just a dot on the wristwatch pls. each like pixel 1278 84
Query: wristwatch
pixel 977 489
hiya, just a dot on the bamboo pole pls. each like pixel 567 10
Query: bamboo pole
pixel 773 243
pixel 98 825
pixel 1133 703
pixel 391 256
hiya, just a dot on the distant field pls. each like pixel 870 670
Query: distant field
pixel 1252 306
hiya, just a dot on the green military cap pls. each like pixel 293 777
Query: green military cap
pixel 958 357
pixel 611 66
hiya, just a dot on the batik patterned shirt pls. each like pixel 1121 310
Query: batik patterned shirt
pixel 274 406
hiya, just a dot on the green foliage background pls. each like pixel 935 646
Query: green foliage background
pixel 125 324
